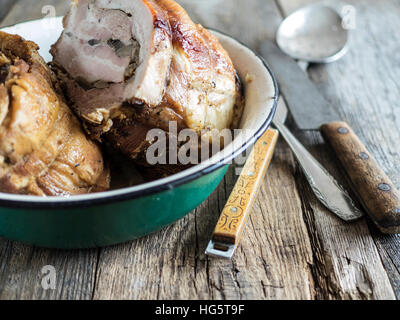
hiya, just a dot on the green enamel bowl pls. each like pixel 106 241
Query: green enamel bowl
pixel 117 216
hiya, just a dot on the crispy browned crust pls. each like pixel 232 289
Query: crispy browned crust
pixel 43 148
pixel 14 47
pixel 203 50
pixel 127 129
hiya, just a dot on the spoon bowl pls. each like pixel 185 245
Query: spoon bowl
pixel 314 34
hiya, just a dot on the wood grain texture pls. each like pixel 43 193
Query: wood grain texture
pixel 273 261
pixel 292 247
pixel 346 263
pixel 364 89
pixel 21 272
pixel 234 216
pixel 379 196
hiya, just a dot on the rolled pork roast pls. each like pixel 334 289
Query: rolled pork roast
pixel 128 66
pixel 43 149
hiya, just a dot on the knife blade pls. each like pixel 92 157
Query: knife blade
pixel 311 111
pixel 325 187
pixel 301 95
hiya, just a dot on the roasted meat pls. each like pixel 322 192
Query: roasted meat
pixel 43 148
pixel 132 65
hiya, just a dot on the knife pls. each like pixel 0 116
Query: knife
pixel 311 111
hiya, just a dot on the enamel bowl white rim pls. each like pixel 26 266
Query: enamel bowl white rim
pixel 261 99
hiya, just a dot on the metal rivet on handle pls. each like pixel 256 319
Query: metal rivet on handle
pixel 363 156
pixel 234 209
pixel 265 143
pixel 251 173
pixel 384 187
pixel 343 130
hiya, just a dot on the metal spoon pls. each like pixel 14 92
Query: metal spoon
pixel 314 33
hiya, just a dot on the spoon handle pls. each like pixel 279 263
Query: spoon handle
pixel 232 221
pixel 379 196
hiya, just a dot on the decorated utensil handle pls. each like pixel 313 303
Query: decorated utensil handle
pixel 379 196
pixel 233 218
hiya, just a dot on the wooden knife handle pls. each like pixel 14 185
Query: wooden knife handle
pixel 380 197
pixel 236 211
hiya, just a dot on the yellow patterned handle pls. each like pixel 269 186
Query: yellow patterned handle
pixel 236 211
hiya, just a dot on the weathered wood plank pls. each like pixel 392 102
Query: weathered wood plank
pixel 334 242
pixel 367 96
pixel 21 272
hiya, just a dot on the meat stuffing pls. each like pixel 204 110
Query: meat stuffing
pixel 128 66
pixel 43 148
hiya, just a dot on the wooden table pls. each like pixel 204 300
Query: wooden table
pixel 293 248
